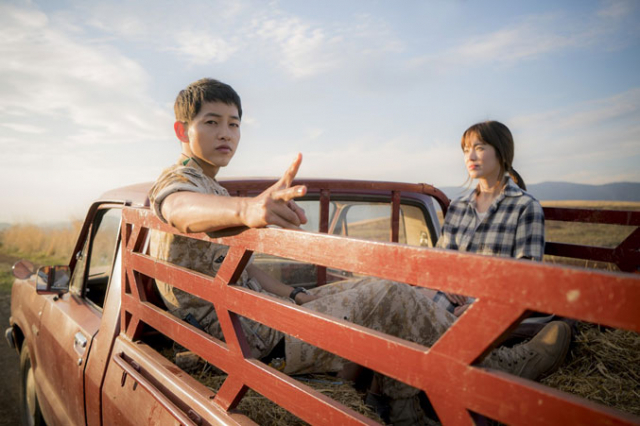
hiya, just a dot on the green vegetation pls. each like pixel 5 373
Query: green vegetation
pixel 40 245
pixel 6 278
pixel 7 261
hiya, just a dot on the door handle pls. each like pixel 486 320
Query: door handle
pixel 80 345
pixel 80 340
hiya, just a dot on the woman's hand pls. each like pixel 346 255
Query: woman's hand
pixel 459 310
pixel 456 299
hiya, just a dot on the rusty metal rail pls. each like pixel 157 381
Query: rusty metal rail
pixel 625 255
pixel 325 189
pixel 445 371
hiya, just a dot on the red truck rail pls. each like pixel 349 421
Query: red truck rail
pixel 445 371
pixel 625 255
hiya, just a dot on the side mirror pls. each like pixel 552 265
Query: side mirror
pixel 23 269
pixel 52 279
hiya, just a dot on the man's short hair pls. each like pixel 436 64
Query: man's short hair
pixel 190 100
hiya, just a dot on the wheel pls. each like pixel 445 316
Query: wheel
pixel 29 407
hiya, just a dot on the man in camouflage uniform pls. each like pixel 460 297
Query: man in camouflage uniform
pixel 187 196
pixel 367 301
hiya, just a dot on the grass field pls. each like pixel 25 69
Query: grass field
pixel 41 245
pixel 46 245
pixel 587 233
pixel 597 205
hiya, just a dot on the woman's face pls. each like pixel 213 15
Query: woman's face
pixel 481 159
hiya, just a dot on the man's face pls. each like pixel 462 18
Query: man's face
pixel 214 134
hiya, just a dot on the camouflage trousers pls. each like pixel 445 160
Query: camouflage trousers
pixel 385 306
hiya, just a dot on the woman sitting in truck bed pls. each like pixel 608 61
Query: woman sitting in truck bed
pixel 498 218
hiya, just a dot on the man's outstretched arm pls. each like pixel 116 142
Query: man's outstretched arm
pixel 195 212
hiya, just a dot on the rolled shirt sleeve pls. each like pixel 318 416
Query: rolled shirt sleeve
pixel 174 179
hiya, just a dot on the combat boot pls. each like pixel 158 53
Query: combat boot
pixel 541 356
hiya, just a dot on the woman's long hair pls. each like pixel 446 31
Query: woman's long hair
pixel 499 137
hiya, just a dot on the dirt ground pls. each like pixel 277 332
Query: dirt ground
pixel 9 366
pixel 9 385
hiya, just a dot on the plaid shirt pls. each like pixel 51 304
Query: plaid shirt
pixel 512 227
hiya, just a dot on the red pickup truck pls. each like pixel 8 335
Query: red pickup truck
pixel 89 334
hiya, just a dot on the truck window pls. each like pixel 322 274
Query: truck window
pixel 364 220
pixel 312 210
pixel 413 227
pixel 359 219
pixel 371 221
pixel 95 261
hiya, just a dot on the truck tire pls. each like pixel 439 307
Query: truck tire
pixel 29 408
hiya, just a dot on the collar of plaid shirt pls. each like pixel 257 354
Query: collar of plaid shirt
pixel 509 190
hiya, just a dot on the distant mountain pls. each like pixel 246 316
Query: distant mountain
pixel 548 191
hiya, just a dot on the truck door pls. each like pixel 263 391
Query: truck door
pixel 69 323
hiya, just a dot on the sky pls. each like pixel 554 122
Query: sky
pixel 364 89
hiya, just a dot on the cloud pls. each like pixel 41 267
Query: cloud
pixel 67 99
pixel 431 163
pixel 305 49
pixel 533 37
pixel 405 158
pixel 125 25
pixel 314 133
pixel 617 9
pixel 247 31
pixel 201 48
pixel 23 128
pixel 529 39
pixel 302 47
pixel 197 32
pixel 596 141
pixel 54 76
pixel 585 114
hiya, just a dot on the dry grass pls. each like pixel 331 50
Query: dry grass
pixel 41 245
pixel 598 205
pixel 604 367
pixel 265 412
pixel 587 233
pixel 30 240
